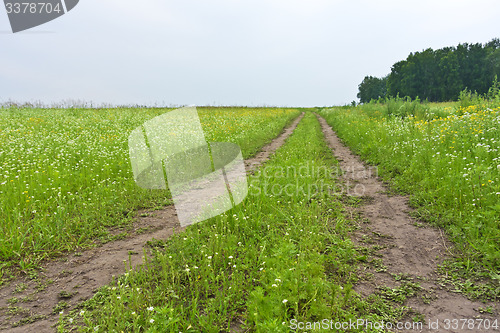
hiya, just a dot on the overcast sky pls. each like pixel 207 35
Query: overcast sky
pixel 228 52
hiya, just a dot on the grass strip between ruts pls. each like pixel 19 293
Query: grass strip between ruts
pixel 281 258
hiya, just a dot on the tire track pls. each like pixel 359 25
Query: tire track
pixel 76 277
pixel 407 250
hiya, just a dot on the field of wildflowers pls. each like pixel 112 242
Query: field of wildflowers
pixel 65 178
pixel 65 175
pixel 273 258
pixel 447 158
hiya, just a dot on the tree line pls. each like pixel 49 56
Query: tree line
pixel 437 75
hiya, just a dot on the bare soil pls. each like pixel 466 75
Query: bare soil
pixel 409 249
pixel 27 305
pixel 252 163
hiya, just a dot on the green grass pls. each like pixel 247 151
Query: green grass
pixel 65 175
pixel 447 158
pixel 283 254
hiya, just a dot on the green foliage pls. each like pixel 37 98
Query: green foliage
pixel 468 98
pixel 403 107
pixel 491 99
pixel 494 92
pixel 396 107
pixel 372 88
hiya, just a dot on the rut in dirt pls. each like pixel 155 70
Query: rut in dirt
pixel 75 278
pixel 407 250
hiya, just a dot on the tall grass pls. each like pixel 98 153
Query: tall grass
pixel 405 107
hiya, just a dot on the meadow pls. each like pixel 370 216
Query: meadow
pixel 65 174
pixel 277 257
pixel 286 252
pixel 446 156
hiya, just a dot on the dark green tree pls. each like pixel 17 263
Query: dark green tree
pixel 449 81
pixel 395 79
pixel 372 88
pixel 440 75
pixel 493 61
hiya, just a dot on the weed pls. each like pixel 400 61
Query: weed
pixel 66 294
pixel 466 277
pixel 17 310
pixel 487 309
pixel 41 286
pixel 400 294
pixel 13 300
pixel 20 287
pixel 59 307
pixel 402 277
pixel 378 265
pixel 28 320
